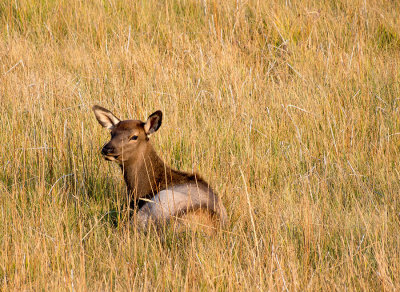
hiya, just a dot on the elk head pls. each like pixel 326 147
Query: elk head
pixel 129 138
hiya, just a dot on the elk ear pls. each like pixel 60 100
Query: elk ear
pixel 153 123
pixel 105 117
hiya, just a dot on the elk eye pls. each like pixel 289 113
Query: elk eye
pixel 134 137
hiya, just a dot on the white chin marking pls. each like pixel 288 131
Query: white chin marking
pixel 109 158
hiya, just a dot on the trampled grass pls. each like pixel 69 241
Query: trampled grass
pixel 289 108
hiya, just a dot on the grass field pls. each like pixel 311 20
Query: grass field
pixel 289 108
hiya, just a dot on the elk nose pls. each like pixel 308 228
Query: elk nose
pixel 106 150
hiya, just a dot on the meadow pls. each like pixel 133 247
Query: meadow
pixel 290 109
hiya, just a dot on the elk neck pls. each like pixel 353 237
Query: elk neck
pixel 143 172
pixel 146 174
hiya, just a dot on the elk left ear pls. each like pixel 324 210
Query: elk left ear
pixel 153 123
pixel 105 117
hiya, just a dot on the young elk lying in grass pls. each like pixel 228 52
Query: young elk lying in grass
pixel 159 194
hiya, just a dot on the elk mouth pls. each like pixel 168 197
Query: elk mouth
pixel 111 157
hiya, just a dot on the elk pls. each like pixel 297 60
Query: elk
pixel 157 192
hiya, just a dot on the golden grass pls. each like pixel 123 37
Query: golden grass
pixel 289 108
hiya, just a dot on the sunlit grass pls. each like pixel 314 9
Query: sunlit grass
pixel 289 108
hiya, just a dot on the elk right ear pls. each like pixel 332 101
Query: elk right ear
pixel 105 117
pixel 153 123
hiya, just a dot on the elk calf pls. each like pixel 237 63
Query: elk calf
pixel 158 193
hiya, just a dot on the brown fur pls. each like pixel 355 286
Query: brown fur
pixel 144 171
pixel 148 175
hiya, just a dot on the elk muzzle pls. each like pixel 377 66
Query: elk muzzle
pixel 108 152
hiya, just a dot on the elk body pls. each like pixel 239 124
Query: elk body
pixel 158 193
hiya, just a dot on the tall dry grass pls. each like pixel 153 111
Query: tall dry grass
pixel 289 108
